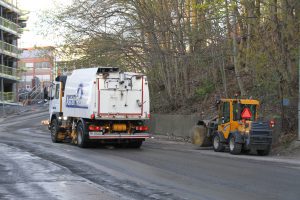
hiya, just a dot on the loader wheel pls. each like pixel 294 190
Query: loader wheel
pixel 234 147
pixel 264 152
pixel 81 136
pixel 217 144
pixel 54 129
pixel 199 136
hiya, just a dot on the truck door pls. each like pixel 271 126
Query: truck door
pixel 224 120
pixel 55 102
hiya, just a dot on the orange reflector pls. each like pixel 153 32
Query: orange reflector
pixel 119 127
pixel 246 114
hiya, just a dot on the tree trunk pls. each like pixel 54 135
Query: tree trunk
pixel 235 57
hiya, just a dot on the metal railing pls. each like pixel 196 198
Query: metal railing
pixel 9 24
pixel 7 96
pixel 12 50
pixel 36 95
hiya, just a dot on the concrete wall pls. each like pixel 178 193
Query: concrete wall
pixel 172 125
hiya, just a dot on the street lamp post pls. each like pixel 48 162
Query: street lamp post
pixel 299 96
pixel 2 96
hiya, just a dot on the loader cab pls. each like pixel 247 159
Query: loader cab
pixel 233 113
pixel 236 109
pixel 244 111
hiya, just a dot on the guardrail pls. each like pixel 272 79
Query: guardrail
pixel 9 24
pixel 10 49
pixel 7 96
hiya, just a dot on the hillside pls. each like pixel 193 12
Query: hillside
pixel 192 51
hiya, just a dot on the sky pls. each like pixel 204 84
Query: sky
pixel 31 37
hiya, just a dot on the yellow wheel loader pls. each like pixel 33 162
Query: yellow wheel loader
pixel 237 127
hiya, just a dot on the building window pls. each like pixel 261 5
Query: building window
pixel 43 65
pixel 29 65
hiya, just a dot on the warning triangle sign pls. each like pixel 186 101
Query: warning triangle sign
pixel 246 114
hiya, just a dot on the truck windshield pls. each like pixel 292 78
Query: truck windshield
pixel 238 110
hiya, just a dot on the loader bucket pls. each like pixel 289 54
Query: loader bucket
pixel 199 136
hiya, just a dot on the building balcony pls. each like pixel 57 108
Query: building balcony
pixel 7 97
pixel 9 49
pixel 9 26
pixel 11 4
pixel 9 73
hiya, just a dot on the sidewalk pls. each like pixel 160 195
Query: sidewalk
pixel 26 176
pixel 22 111
pixel 8 109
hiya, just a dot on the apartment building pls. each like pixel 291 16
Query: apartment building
pixel 11 24
pixel 37 64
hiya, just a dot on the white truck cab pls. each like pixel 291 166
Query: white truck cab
pixel 100 104
pixel 54 104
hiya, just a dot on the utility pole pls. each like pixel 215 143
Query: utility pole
pixel 2 96
pixel 299 97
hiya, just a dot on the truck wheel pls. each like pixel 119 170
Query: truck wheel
pixel 54 129
pixel 234 147
pixel 217 144
pixel 199 136
pixel 81 136
pixel 264 152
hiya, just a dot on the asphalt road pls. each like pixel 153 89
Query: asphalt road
pixel 32 167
